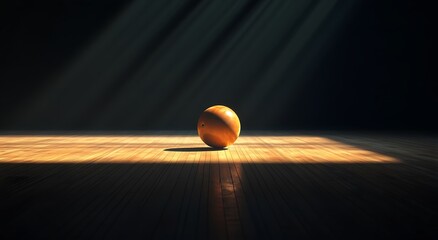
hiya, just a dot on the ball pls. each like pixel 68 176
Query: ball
pixel 218 126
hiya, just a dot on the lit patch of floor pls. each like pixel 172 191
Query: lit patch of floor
pixel 181 149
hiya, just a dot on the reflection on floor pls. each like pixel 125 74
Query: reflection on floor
pixel 267 186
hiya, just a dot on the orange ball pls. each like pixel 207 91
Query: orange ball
pixel 218 126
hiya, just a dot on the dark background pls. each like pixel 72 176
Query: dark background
pixel 155 65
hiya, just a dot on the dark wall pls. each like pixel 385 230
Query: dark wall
pixel 37 39
pixel 128 65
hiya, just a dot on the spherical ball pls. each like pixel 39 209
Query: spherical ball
pixel 218 126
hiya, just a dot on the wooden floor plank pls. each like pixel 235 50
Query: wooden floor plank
pixel 268 185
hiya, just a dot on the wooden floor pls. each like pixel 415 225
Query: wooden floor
pixel 265 186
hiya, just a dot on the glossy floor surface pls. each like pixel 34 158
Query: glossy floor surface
pixel 268 185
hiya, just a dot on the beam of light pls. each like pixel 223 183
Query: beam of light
pixel 298 59
pixel 287 54
pixel 181 149
pixel 106 65
pixel 164 60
